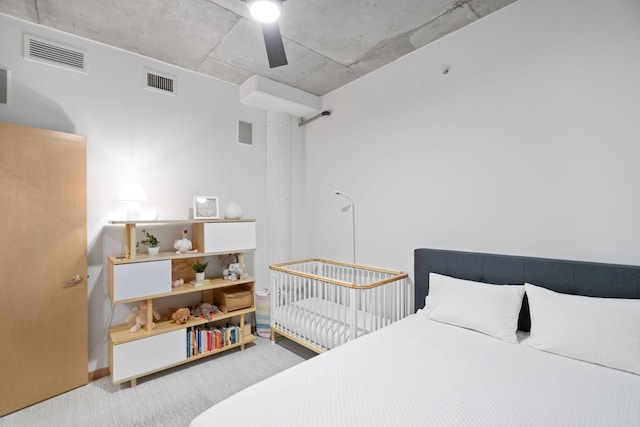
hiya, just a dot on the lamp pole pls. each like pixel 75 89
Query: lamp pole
pixel 353 222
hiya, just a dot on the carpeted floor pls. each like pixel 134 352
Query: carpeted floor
pixel 169 398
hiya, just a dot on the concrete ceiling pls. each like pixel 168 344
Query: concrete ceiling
pixel 328 42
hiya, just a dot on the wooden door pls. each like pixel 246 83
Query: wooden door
pixel 43 311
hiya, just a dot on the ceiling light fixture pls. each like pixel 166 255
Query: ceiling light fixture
pixel 265 10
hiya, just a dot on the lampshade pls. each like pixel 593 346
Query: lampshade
pixel 132 193
pixel 265 10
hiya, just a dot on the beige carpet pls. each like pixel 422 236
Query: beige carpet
pixel 169 398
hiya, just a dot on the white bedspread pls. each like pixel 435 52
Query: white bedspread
pixel 417 372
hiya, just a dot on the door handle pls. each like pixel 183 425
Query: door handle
pixel 77 279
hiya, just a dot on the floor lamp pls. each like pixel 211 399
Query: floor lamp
pixel 353 221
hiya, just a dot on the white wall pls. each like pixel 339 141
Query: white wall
pixel 175 146
pixel 530 145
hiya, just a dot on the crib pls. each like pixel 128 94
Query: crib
pixel 322 304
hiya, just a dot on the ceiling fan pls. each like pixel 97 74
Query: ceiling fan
pixel 268 12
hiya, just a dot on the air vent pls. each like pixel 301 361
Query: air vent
pixel 162 83
pixel 245 133
pixel 4 86
pixel 54 53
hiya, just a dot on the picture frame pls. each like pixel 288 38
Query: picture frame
pixel 205 207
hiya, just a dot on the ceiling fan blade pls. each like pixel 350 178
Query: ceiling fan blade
pixel 274 45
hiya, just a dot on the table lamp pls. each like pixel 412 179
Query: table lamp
pixel 133 194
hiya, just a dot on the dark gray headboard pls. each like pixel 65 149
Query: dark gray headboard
pixel 570 277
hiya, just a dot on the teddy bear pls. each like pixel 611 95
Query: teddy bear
pixel 227 259
pixel 182 315
pixel 138 317
pixel 233 272
pixel 204 309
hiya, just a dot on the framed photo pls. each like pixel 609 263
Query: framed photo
pixel 205 207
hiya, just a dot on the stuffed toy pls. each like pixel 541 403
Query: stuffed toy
pixel 227 259
pixel 177 283
pixel 138 317
pixel 182 315
pixel 204 310
pixel 182 246
pixel 232 272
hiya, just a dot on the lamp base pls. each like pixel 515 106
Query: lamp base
pixel 133 210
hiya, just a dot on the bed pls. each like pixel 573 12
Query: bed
pixel 426 371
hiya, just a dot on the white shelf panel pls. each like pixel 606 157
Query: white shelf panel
pixel 229 236
pixel 136 358
pixel 141 280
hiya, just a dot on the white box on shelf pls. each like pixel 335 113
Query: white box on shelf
pixel 135 358
pixel 138 280
pixel 229 236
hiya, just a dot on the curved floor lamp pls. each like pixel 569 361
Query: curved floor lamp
pixel 353 220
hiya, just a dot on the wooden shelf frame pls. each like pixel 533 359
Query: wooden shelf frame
pixel 188 288
pixel 130 231
pixel 120 334
pixel 122 259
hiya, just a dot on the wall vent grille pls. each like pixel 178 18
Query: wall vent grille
pixel 245 133
pixel 160 82
pixel 54 53
pixel 4 86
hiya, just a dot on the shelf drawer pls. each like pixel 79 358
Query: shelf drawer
pixel 233 298
pixel 136 358
pixel 225 237
pixel 139 280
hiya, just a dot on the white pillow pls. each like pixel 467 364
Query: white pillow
pixel 605 331
pixel 483 307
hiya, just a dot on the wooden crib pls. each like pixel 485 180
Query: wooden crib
pixel 322 304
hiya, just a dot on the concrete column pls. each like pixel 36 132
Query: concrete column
pixel 278 157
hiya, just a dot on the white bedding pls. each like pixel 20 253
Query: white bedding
pixel 418 372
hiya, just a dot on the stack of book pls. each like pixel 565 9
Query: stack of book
pixel 202 339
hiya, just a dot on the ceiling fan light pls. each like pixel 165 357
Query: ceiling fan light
pixel 265 10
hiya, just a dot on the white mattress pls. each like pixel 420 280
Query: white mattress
pixel 417 372
pixel 324 323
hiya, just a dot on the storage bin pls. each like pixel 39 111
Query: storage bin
pixel 247 330
pixel 233 298
pixel 263 323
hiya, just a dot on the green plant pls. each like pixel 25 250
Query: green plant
pixel 151 240
pixel 199 266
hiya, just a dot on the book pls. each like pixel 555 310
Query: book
pixel 188 342
pixel 218 336
pixel 200 282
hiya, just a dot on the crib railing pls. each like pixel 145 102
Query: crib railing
pixel 322 304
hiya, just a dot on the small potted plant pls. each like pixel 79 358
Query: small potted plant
pixel 151 242
pixel 199 267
